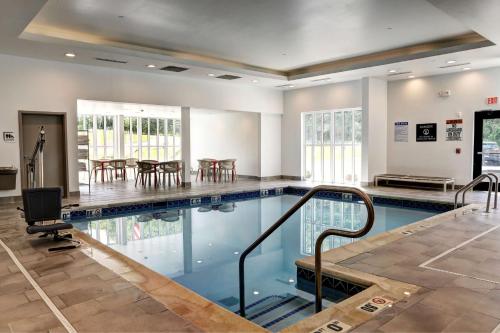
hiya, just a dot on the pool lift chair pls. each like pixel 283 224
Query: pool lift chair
pixel 41 205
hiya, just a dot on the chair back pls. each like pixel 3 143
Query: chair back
pixel 205 163
pixel 227 164
pixel 168 167
pixel 119 163
pixel 131 162
pixel 144 166
pixel 42 204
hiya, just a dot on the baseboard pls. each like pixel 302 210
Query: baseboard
pixel 74 194
pixel 11 200
pixel 286 177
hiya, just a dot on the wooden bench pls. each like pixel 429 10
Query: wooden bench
pixel 416 179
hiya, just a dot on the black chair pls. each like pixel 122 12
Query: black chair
pixel 45 204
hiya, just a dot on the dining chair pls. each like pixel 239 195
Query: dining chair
pixel 227 166
pixel 119 166
pixel 131 163
pixel 96 167
pixel 166 170
pixel 144 171
pixel 205 166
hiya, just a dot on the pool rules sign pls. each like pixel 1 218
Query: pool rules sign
pixel 454 130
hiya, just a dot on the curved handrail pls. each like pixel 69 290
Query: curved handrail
pixel 471 185
pixel 496 189
pixel 343 233
pixel 284 218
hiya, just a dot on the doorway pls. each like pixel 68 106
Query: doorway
pixel 55 161
pixel 486 144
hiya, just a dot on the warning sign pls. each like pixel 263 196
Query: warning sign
pixel 375 305
pixel 454 130
pixel 332 326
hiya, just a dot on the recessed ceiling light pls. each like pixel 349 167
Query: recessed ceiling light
pixel 291 86
pixel 451 61
pixel 255 81
pixel 411 76
pixel 70 55
pixel 151 66
pixel 466 68
pixel 211 75
pixel 392 71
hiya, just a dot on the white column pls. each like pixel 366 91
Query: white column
pixel 374 142
pixel 186 144
pixel 270 145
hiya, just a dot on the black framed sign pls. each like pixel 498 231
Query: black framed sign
pixel 426 132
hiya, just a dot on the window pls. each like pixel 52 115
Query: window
pixel 152 138
pixel 332 146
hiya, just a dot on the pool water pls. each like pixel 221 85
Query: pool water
pixel 200 247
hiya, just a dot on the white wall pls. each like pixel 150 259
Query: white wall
pixel 225 135
pixel 36 85
pixel 327 97
pixel 270 145
pixel 417 101
pixel 374 143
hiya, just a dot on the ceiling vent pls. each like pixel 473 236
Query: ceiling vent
pixel 112 60
pixel 228 77
pixel 455 65
pixel 176 69
pixel 399 73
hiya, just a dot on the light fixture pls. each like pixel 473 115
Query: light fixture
pixel 466 68
pixel 211 75
pixel 151 66
pixel 392 71
pixel 255 81
pixel 291 86
pixel 411 76
pixel 70 55
pixel 451 62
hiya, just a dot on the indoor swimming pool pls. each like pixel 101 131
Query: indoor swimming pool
pixel 199 248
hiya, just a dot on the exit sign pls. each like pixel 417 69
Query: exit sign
pixel 492 100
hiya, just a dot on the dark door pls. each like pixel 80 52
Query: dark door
pixel 54 159
pixel 486 144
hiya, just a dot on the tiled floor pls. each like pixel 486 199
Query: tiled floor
pixel 97 298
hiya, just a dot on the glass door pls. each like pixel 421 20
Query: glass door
pixel 486 144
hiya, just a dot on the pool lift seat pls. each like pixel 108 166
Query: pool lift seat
pixel 45 204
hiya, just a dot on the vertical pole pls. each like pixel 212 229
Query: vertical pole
pixel 186 145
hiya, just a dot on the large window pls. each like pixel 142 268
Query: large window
pixel 152 138
pixel 143 138
pixel 332 146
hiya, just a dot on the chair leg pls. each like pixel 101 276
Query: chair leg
pixel 136 179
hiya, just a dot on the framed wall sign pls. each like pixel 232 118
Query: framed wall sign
pixel 401 131
pixel 454 130
pixel 426 132
pixel 9 137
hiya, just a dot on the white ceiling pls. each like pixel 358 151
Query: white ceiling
pixel 277 34
pixel 256 33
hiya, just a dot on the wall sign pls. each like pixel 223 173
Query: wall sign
pixel 492 100
pixel 454 130
pixel 401 131
pixel 426 132
pixel 9 137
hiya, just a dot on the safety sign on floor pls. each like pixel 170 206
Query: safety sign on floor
pixel 332 326
pixel 375 305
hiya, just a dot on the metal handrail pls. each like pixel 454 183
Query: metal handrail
pixel 31 165
pixel 496 189
pixel 288 214
pixel 370 219
pixel 475 182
